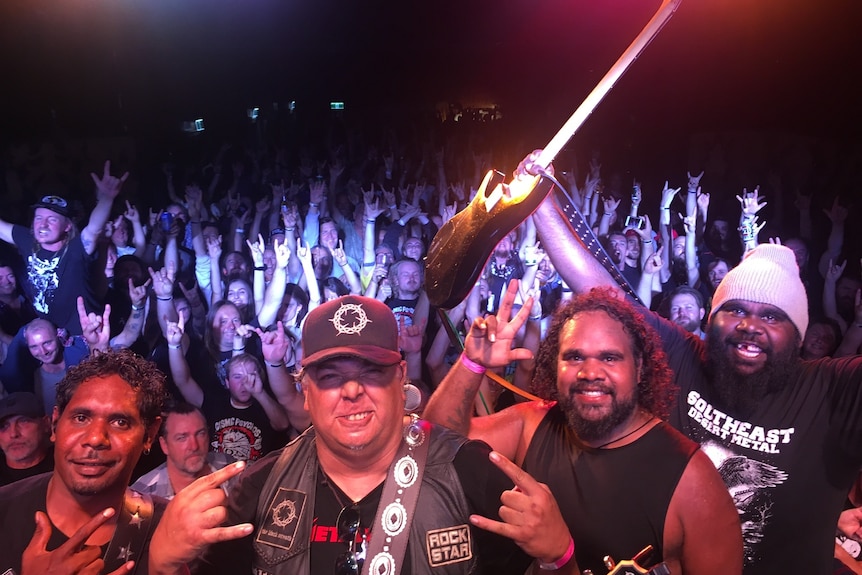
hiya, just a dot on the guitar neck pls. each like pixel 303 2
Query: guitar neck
pixel 576 120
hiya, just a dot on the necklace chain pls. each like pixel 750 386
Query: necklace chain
pixel 632 432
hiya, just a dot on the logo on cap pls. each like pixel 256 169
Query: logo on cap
pixel 360 319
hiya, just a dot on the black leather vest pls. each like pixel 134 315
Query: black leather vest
pixel 440 535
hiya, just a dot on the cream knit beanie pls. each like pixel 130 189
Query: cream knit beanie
pixel 767 274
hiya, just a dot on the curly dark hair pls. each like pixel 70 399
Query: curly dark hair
pixel 656 390
pixel 143 376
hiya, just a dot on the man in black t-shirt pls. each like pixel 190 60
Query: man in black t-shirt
pixel 316 503
pixel 58 261
pixel 784 433
pixel 81 518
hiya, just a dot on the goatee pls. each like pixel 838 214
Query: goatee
pixel 740 394
pixel 598 430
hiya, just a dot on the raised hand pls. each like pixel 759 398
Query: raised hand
pixel 489 340
pixel 193 520
pixel 137 294
pixel 837 213
pixel 72 557
pixel 410 336
pixel 667 195
pixel 174 331
pixel 610 204
pixel 702 201
pixel 834 272
pixel 373 209
pixel 530 515
pixel 636 193
pixel 132 213
pixel 653 263
pixel 163 281
pixel 694 181
pixel 290 217
pixel 262 205
pixel 282 253
pixel 317 192
pixel 95 328
pixel 750 202
pixel 214 247
pixel 256 248
pixel 339 255
pixel 273 344
pixel 108 186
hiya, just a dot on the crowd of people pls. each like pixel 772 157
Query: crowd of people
pixel 282 300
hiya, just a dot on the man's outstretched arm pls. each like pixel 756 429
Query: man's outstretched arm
pixel 578 268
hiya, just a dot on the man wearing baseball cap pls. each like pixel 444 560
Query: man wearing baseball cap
pixel 785 434
pixel 25 438
pixel 346 492
pixel 58 261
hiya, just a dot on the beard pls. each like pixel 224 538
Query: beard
pixel 597 430
pixel 740 393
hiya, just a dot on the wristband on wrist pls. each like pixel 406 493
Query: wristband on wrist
pixel 370 221
pixel 172 346
pixel 289 229
pixel 392 207
pixel 472 365
pixel 162 298
pixel 665 209
pixel 559 563
pixel 606 215
pixel 137 307
pixel 240 231
pixel 240 349
pixel 274 364
pixel 312 204
pixel 259 268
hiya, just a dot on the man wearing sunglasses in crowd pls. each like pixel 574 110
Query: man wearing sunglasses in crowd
pixel 346 492
pixel 57 261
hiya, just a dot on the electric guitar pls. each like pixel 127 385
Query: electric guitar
pixel 461 247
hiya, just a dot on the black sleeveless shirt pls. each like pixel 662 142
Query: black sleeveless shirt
pixel 613 500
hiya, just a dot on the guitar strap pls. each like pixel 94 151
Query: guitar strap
pixel 391 527
pixel 585 233
pixel 133 529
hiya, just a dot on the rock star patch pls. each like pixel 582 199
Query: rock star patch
pixel 449 545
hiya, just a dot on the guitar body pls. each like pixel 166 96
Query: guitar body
pixel 461 248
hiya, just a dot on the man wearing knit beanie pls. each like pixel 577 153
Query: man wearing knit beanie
pixel 767 274
pixel 785 434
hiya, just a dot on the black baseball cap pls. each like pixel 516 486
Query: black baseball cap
pixel 20 403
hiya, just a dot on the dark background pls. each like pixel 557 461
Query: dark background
pixel 789 65
pixel 781 70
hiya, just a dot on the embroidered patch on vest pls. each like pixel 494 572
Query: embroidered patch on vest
pixel 449 545
pixel 281 521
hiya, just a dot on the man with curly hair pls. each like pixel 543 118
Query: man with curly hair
pixel 81 518
pixel 623 478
